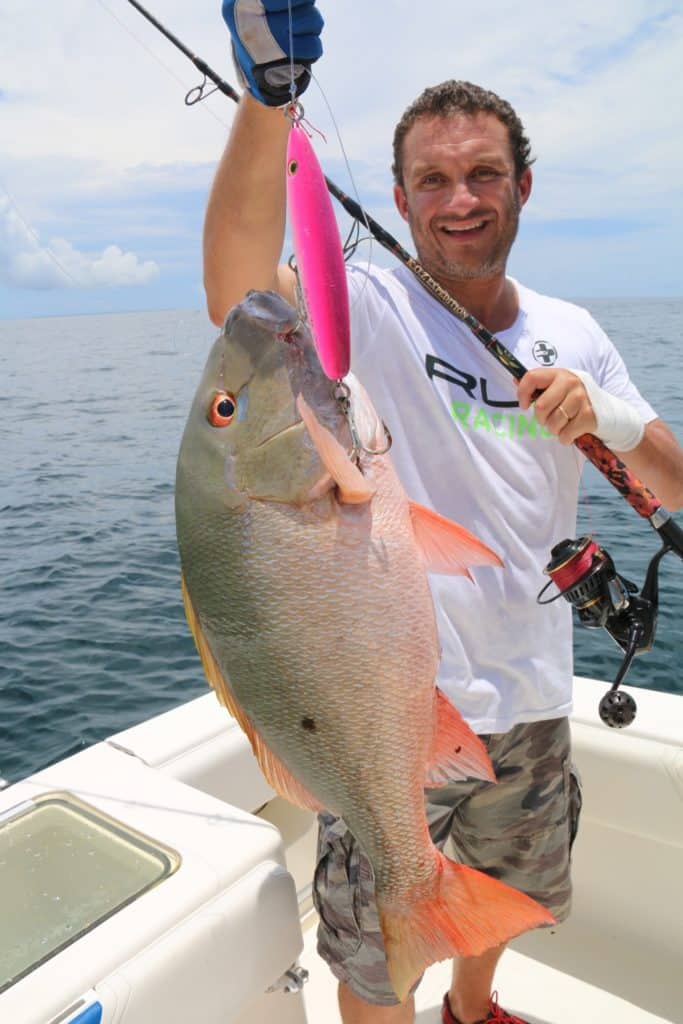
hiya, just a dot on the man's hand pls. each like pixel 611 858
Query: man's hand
pixel 261 36
pixel 573 404
pixel 564 408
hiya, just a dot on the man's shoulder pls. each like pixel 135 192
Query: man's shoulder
pixel 387 278
pixel 374 292
pixel 549 305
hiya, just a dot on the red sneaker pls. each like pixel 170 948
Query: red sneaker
pixel 496 1014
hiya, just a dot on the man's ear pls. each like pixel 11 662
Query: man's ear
pixel 401 201
pixel 524 185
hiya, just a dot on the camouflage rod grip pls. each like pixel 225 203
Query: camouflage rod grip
pixel 620 476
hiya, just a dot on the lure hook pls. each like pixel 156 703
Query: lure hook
pixel 342 394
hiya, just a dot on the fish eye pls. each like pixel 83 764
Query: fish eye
pixel 293 166
pixel 222 409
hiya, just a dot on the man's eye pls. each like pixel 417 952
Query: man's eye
pixel 484 173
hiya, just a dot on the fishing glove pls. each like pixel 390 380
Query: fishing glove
pixel 261 32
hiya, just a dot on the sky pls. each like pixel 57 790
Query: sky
pixel 104 172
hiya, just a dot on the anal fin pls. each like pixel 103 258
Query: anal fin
pixel 457 752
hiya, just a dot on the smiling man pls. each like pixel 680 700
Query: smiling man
pixel 468 443
pixel 460 185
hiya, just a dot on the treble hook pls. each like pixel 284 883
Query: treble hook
pixel 342 393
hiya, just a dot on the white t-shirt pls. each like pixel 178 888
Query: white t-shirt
pixel 463 447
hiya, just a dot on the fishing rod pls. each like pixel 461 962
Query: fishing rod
pixel 583 573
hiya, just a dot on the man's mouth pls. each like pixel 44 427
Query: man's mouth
pixel 464 230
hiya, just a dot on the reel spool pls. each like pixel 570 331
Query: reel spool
pixel 585 576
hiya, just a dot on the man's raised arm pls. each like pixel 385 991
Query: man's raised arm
pixel 245 217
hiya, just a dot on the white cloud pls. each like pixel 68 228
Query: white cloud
pixel 27 263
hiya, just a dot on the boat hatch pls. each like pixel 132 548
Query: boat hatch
pixel 83 866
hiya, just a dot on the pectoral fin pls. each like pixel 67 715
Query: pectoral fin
pixel 352 486
pixel 276 773
pixel 446 546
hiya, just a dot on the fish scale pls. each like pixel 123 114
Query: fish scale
pixel 294 669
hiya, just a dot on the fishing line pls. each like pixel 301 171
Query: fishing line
pixel 363 217
pixel 292 83
pixel 41 245
pixel 167 69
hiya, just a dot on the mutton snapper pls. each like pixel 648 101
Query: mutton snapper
pixel 304 578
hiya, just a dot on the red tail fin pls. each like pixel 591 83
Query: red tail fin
pixel 469 914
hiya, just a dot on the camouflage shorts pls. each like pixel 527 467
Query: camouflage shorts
pixel 519 830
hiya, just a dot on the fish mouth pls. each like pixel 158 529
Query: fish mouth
pixel 279 433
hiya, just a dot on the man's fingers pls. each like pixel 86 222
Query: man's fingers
pixel 563 408
pixel 546 406
pixel 531 382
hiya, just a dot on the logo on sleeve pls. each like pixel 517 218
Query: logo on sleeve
pixel 545 353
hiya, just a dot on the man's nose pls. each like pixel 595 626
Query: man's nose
pixel 461 200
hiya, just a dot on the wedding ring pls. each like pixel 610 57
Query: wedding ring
pixel 564 413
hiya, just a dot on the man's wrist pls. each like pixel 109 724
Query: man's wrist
pixel 618 424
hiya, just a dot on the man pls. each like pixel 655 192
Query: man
pixel 467 443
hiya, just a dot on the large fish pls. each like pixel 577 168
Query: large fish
pixel 304 577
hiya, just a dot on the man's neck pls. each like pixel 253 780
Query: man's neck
pixel 493 301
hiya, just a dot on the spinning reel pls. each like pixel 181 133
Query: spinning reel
pixel 584 575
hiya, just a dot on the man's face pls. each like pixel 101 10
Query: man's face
pixel 461 196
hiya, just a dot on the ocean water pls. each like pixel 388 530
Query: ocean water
pixel 93 637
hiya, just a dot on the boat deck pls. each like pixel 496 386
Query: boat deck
pixel 540 994
pixel 227 918
pixel 527 982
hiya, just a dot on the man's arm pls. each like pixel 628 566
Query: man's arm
pixel 565 410
pixel 245 218
pixel 658 462
pixel 273 46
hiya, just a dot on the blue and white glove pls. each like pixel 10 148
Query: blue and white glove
pixel 260 31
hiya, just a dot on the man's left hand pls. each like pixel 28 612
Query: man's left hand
pixel 564 407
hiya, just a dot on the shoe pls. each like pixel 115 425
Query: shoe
pixel 496 1014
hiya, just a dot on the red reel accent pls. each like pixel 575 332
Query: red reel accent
pixel 565 576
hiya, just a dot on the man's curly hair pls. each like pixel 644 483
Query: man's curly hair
pixel 456 97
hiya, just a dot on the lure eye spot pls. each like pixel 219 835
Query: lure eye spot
pixel 293 166
pixel 222 410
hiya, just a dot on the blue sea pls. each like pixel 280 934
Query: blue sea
pixel 93 634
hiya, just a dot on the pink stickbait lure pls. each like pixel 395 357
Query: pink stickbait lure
pixel 319 256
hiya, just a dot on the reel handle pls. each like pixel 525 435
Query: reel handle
pixel 617 709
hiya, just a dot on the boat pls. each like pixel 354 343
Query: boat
pixel 156 877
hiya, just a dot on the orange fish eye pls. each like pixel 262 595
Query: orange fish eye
pixel 222 409
pixel 293 166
